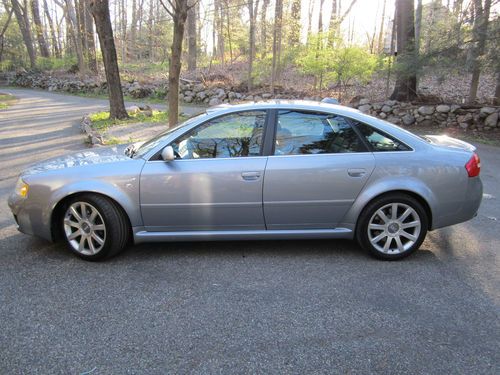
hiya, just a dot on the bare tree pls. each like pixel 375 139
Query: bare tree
pixel 418 25
pixel 4 29
pixel 294 36
pixel 479 32
pixel 42 44
pixel 21 13
pixel 263 27
pixel 100 12
pixel 278 15
pixel 53 35
pixel 178 10
pixel 406 78
pixel 380 44
pixel 192 38
pixel 89 37
pixel 252 10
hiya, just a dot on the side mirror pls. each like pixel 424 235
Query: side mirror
pixel 167 153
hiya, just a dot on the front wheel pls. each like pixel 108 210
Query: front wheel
pixel 94 227
pixel 392 226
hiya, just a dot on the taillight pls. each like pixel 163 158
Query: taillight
pixel 473 166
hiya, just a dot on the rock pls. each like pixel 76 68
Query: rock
pixel 394 120
pixel 386 108
pixel 487 111
pixel 454 108
pixel 214 101
pixel 365 108
pixel 231 95
pixel 463 125
pixel 146 110
pixel 491 120
pixel 267 96
pixel 133 110
pixel 198 87
pixel 364 101
pixel 188 93
pixel 443 108
pixel 426 110
pixel 408 119
pixel 220 93
pixel 249 97
pixel 377 106
pixel 201 95
pixel 426 122
pixel 390 103
pixel 467 118
pixel 188 99
pixel 382 115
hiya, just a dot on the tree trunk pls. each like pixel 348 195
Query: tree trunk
pixel 150 30
pixel 251 36
pixel 380 44
pixel 263 28
pixel 89 38
pixel 192 40
pixel 100 12
pixel 4 29
pixel 133 31
pixel 406 78
pixel 320 17
pixel 418 25
pixel 294 37
pixel 42 44
pixel 496 99
pixel 479 33
pixel 77 35
pixel 278 12
pixel 21 13
pixel 55 42
pixel 174 70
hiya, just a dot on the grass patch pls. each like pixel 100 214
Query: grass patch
pixel 101 120
pixel 6 100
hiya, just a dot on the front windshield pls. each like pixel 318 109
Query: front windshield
pixel 161 137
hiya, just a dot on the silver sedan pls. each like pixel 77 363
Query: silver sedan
pixel 270 170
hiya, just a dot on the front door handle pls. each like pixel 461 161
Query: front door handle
pixel 250 176
pixel 356 172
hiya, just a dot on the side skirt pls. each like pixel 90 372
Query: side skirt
pixel 141 235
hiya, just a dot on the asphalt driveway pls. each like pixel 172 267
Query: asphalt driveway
pixel 239 307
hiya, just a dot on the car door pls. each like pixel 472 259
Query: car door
pixel 215 182
pixel 317 169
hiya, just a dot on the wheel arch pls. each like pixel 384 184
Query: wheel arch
pixel 410 186
pixel 58 211
pixel 419 198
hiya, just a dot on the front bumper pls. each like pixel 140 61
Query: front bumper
pixel 21 216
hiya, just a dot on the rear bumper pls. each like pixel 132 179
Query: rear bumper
pixel 467 209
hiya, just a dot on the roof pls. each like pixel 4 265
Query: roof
pixel 282 103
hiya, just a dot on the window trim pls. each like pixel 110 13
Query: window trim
pixel 349 121
pixel 157 155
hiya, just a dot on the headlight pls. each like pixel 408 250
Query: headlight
pixel 22 188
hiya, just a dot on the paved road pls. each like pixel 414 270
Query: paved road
pixel 246 307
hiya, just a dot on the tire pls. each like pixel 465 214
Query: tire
pixel 94 227
pixel 404 231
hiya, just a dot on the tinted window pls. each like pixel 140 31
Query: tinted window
pixel 234 135
pixel 314 133
pixel 380 141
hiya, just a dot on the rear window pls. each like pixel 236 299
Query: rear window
pixel 380 141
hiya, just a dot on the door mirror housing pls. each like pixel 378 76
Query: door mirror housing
pixel 168 154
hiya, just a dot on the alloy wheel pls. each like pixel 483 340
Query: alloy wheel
pixel 394 228
pixel 84 228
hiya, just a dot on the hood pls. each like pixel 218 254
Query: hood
pixel 79 159
pixel 449 142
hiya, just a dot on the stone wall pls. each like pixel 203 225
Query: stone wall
pixel 440 115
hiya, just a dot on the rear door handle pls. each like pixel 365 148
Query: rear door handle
pixel 250 176
pixel 356 172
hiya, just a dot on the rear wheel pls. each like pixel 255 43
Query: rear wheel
pixel 94 227
pixel 392 226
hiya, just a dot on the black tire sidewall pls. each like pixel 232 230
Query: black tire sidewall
pixel 373 206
